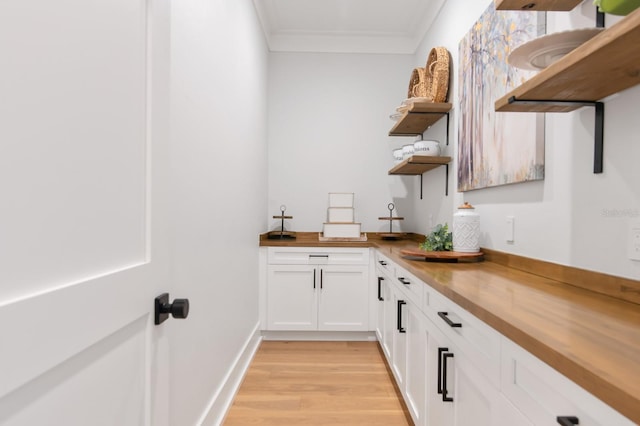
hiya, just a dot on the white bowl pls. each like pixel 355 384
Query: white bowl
pixel 407 151
pixel 427 148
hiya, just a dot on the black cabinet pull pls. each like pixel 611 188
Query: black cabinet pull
pixel 568 420
pixel 382 262
pixel 380 279
pixel 440 352
pixel 403 281
pixel 319 255
pixel 314 278
pixel 320 278
pixel 446 319
pixel 400 329
pixel 445 391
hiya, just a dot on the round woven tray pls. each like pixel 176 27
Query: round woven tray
pixel 417 84
pixel 437 74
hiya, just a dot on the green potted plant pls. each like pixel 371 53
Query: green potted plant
pixel 438 240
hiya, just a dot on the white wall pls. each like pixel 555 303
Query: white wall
pixel 219 71
pixel 328 125
pixel 573 217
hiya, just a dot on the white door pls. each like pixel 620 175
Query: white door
pixel 82 242
pixel 343 299
pixel 291 297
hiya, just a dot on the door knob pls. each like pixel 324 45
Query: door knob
pixel 178 309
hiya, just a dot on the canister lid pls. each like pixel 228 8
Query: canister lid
pixel 466 205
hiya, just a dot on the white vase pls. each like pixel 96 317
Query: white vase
pixel 466 229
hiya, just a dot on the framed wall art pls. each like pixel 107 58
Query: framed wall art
pixel 496 148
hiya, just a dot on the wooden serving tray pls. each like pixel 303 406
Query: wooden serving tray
pixel 441 255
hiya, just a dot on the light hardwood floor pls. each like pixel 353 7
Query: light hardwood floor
pixel 318 383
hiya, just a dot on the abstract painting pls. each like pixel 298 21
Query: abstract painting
pixel 505 147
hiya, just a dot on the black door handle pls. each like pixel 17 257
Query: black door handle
pixel 400 329
pixel 446 319
pixel 440 352
pixel 403 281
pixel 178 309
pixel 382 262
pixel 568 420
pixel 445 391
pixel 380 279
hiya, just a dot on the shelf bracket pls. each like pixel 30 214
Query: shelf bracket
pixel 599 18
pixel 435 113
pixel 447 130
pixel 598 143
pixel 446 181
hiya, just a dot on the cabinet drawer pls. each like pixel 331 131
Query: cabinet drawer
pixel 410 284
pixel 479 342
pixel 541 393
pixel 317 256
pixel 384 264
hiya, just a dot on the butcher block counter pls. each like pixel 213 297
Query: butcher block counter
pixel 584 324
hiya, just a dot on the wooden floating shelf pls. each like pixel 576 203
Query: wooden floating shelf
pixel 558 5
pixel 418 164
pixel 419 117
pixel 602 66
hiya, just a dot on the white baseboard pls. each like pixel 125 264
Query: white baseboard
pixel 320 335
pixel 223 398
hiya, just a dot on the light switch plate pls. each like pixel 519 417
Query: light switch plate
pixel 633 250
pixel 510 229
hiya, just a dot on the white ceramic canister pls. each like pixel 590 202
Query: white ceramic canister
pixel 407 151
pixel 466 229
pixel 397 155
pixel 429 148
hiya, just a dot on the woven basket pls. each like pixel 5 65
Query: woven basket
pixel 417 84
pixel 437 74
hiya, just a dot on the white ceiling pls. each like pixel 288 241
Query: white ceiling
pixel 346 26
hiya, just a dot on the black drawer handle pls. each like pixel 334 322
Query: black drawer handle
pixel 568 420
pixel 403 281
pixel 319 255
pixel 382 262
pixel 400 328
pixel 380 279
pixel 446 319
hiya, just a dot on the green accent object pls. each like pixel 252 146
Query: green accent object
pixel 439 240
pixel 617 7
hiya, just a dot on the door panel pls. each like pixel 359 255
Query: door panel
pixel 73 129
pixel 291 297
pixel 82 228
pixel 343 298
pixel 116 363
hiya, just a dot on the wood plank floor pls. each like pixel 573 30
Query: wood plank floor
pixel 318 383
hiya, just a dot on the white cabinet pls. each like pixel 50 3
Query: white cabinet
pixel 458 392
pixel 542 394
pixel 455 370
pixel 317 289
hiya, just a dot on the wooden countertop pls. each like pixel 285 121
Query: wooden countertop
pixel 582 331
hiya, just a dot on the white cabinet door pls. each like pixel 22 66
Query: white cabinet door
pixel 390 317
pixel 399 345
pixel 415 380
pixel 380 296
pixel 291 297
pixel 343 298
pixel 457 394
